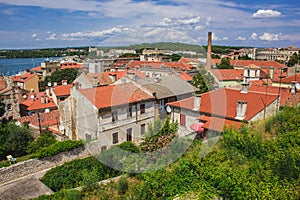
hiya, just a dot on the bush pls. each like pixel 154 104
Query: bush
pixel 44 140
pixel 63 195
pixel 58 147
pixel 77 173
pixel 122 185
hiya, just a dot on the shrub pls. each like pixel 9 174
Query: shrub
pixel 58 147
pixel 46 139
pixel 122 185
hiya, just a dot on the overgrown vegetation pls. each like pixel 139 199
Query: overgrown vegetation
pixel 77 173
pixel 58 147
pixel 260 162
pixel 44 140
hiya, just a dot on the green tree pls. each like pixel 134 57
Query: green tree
pixel 2 107
pixel 44 140
pixel 225 64
pixel 294 59
pixel 66 74
pixel 14 139
pixel 203 81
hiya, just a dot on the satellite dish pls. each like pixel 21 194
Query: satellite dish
pixel 168 109
pixel 49 84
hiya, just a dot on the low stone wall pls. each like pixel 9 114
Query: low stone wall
pixel 32 166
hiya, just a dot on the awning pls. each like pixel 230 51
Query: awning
pixel 197 126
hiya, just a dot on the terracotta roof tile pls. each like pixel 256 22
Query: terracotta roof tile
pixel 36 104
pixel 184 76
pixel 38 68
pixel 70 66
pixel 114 95
pixel 228 74
pixel 23 77
pixel 62 90
pixel 223 102
pixel 217 124
pixel 46 119
pixel 289 79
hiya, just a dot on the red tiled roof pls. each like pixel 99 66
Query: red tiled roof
pixel 289 79
pixel 38 68
pixel 217 124
pixel 102 79
pixel 36 104
pixel 152 64
pixel 263 89
pixel 228 74
pixel 114 95
pixel 62 90
pixel 138 73
pixel 293 100
pixel 23 77
pixel 259 63
pixel 46 119
pixel 223 102
pixel 184 76
pixel 70 66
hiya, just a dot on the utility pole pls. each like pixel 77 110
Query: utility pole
pixel 39 120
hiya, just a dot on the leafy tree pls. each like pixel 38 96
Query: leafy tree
pixel 294 59
pixel 14 139
pixel 44 140
pixel 203 81
pixel 2 107
pixel 66 74
pixel 225 64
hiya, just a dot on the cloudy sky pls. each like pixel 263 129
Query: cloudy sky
pixel 66 23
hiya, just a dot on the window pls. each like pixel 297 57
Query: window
pixel 114 115
pixel 182 120
pixel 129 114
pixel 115 138
pixel 9 107
pixel 143 129
pixel 103 148
pixel 161 103
pixel 88 137
pixel 142 108
pixel 129 135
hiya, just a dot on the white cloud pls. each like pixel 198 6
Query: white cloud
pixel 270 37
pixel 266 14
pixel 241 38
pixel 216 38
pixel 253 36
pixel 34 35
pixel 52 37
pixel 199 28
pixel 208 21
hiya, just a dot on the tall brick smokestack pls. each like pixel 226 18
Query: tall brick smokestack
pixel 208 57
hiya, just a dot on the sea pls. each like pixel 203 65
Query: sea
pixel 9 67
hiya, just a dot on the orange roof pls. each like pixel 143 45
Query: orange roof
pixel 223 102
pixel 23 77
pixel 217 124
pixel 259 63
pixel 289 79
pixel 36 104
pixel 38 68
pixel 184 76
pixel 46 119
pixel 114 95
pixel 228 74
pixel 159 65
pixel 70 66
pixel 62 90
pixel 102 79
pixel 138 73
pixel 284 92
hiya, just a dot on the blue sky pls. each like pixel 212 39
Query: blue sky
pixel 70 23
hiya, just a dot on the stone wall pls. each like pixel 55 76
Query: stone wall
pixel 32 166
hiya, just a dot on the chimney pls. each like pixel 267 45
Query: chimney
pixel 208 57
pixel 197 102
pixel 293 89
pixel 42 99
pixel 271 72
pixel 96 81
pixel 64 82
pixel 241 110
pixel 245 87
pixel 54 83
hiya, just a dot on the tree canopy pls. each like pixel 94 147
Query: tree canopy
pixel 225 64
pixel 203 81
